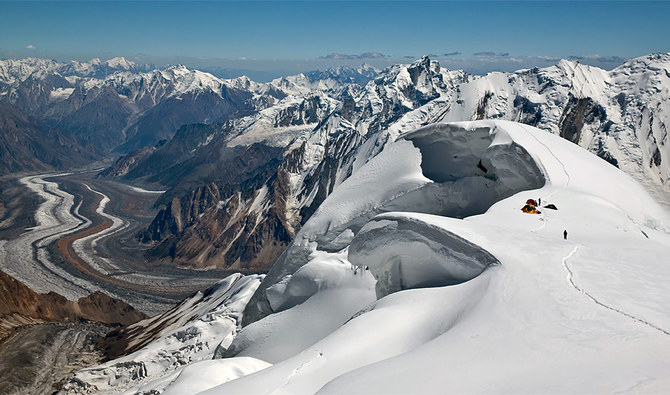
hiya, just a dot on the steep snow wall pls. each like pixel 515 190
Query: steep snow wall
pixel 471 169
pixel 454 170
pixel 404 253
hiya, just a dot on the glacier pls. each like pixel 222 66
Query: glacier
pixel 400 283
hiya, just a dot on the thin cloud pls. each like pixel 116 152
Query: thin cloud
pixel 451 53
pixel 492 54
pixel 598 58
pixel 606 59
pixel 31 47
pixel 365 55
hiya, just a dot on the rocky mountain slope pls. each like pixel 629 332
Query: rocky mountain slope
pixel 27 144
pixel 19 306
pixel 319 137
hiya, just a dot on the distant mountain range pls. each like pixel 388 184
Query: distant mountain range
pixel 247 163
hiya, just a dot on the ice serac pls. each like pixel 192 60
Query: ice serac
pixel 346 210
pixel 471 168
pixel 454 170
pixel 587 314
pixel 405 253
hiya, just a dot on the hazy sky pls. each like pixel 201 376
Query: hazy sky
pixel 282 35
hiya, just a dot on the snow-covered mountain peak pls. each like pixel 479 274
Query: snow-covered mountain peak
pixel 120 63
pixel 194 80
pixel 584 80
pixel 14 71
pixel 298 84
pixel 420 81
pixel 654 62
pixel 367 67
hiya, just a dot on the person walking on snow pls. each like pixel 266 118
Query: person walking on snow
pixel 565 235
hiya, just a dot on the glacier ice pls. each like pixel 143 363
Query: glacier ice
pixel 404 252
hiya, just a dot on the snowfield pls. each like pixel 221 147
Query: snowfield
pixel 421 274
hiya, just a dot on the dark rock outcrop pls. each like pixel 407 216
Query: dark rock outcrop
pixel 577 113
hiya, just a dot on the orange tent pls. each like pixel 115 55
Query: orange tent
pixel 530 209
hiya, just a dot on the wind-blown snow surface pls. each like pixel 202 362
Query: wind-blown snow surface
pixel 477 296
pixel 587 314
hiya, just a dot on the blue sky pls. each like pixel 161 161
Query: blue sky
pixel 294 36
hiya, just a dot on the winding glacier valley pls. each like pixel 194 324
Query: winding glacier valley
pixel 74 251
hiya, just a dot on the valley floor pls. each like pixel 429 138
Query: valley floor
pixel 84 240
pixel 74 234
pixel 38 359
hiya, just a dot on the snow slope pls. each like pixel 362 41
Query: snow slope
pixel 167 343
pixel 588 314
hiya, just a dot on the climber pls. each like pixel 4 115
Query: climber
pixel 565 235
pixel 481 167
pixel 539 201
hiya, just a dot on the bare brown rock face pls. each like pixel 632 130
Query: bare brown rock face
pixel 19 305
pixel 241 230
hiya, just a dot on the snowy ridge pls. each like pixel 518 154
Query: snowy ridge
pixel 525 307
pixel 420 269
pixel 17 71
